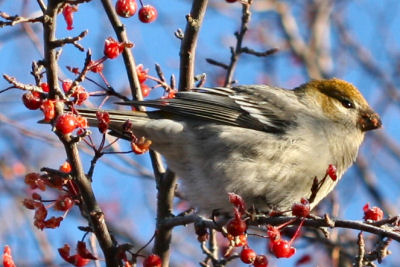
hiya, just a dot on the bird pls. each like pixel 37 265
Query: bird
pixel 264 143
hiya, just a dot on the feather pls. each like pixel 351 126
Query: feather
pixel 255 107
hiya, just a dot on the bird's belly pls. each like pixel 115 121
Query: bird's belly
pixel 268 172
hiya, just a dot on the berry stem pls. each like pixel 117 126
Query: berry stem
pixel 296 234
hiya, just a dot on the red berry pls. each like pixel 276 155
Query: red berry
pixel 331 171
pixel 66 85
pixel 32 100
pixel 80 95
pixel 301 209
pixel 147 14
pixel 66 123
pixel 171 94
pixel 96 67
pixel 247 255
pixel 305 259
pixel 40 213
pixel 29 203
pixel 145 89
pixel 374 213
pixel 36 196
pixel 140 146
pixel 7 258
pixel 76 259
pixel 240 240
pixel 64 203
pixel 126 8
pixel 66 167
pixel 103 119
pixel 141 73
pixel 282 248
pixel 152 260
pixel 112 48
pixel 48 109
pixel 45 87
pixel 81 122
pixel 68 13
pixel 260 261
pixel 201 232
pixel 237 201
pixel 236 227
pixel 34 180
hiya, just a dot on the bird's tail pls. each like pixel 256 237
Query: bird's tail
pixel 119 120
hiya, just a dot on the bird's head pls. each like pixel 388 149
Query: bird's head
pixel 342 102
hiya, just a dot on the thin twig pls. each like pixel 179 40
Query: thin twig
pixel 13 20
pixel 380 252
pixel 22 86
pixel 217 63
pixel 82 74
pixel 42 5
pixel 71 40
pixel 235 51
pixel 259 54
pixel 361 250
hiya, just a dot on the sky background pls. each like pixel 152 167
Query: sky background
pixel 129 200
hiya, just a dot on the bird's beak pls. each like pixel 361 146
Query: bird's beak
pixel 369 120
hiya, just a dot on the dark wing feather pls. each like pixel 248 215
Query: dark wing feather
pixel 257 107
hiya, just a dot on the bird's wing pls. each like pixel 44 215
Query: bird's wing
pixel 257 107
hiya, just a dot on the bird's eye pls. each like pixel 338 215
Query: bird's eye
pixel 347 103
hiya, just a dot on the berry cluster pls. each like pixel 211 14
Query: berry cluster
pixel 65 123
pixel 236 229
pixel 64 202
pixel 127 8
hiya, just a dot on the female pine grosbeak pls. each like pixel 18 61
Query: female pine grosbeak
pixel 264 143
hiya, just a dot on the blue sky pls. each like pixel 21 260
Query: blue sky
pixel 374 24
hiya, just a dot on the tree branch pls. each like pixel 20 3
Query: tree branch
pixel 90 207
pixel 188 45
pixel 235 52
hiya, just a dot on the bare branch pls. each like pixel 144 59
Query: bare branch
pixel 22 86
pixel 13 20
pixel 296 42
pixel 259 54
pixel 235 51
pixel 217 63
pixel 179 34
pixel 71 40
pixel 90 206
pixel 129 61
pixel 189 42
pixel 42 5
pixel 361 251
pixel 388 230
